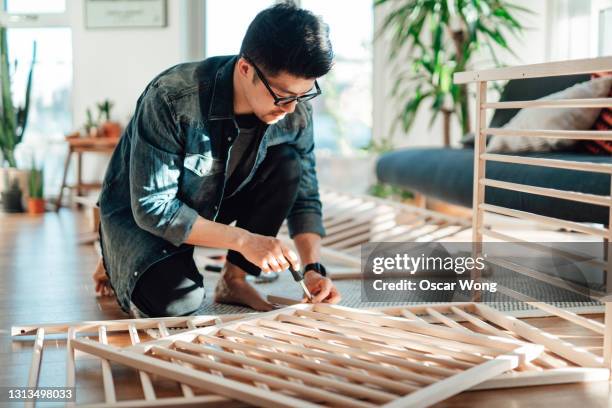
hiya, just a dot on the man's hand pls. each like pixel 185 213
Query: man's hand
pixel 270 254
pixel 321 288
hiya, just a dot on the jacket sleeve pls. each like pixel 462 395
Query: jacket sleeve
pixel 156 163
pixel 306 213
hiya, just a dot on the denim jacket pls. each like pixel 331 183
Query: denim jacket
pixel 169 168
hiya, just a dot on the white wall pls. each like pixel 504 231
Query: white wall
pixel 117 64
pixel 531 49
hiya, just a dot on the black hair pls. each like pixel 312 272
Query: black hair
pixel 290 39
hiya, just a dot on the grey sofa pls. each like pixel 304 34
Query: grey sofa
pixel 446 174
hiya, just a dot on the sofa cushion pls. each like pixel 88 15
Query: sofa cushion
pixel 552 119
pixel 447 174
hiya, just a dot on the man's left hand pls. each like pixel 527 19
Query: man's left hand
pixel 321 288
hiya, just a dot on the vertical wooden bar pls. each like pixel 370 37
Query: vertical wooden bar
pixel 480 144
pixel 608 311
pixel 163 332
pixel 107 375
pixel 79 171
pixel 70 366
pixel 36 358
pixel 147 386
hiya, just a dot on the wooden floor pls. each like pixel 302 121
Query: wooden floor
pixel 46 277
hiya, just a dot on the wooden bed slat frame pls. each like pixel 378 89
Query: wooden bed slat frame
pixel 550 368
pixel 237 358
pixel 481 78
pixel 561 362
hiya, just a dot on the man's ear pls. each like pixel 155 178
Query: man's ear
pixel 244 67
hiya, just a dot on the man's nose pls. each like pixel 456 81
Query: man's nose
pixel 289 108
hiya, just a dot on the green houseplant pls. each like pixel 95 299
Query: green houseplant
pixel 36 184
pixel 108 128
pixel 433 39
pixel 13 121
pixel 13 118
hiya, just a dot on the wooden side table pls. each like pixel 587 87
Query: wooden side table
pixel 78 146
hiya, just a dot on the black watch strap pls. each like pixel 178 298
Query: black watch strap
pixel 317 267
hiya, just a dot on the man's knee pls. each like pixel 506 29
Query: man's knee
pixel 285 162
pixel 173 302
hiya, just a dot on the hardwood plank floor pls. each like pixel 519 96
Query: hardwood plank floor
pixel 45 276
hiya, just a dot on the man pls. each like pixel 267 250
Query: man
pixel 221 140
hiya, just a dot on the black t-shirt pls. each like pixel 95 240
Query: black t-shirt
pixel 243 150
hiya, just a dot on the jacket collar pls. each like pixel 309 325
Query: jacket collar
pixel 222 101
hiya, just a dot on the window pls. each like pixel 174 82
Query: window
pixel 227 22
pixel 35 6
pixel 605 31
pixel 343 114
pixel 50 117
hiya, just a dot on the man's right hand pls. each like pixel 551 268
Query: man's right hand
pixel 268 253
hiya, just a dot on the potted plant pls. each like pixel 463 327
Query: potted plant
pixel 13 121
pixel 36 183
pixel 91 126
pixel 108 128
pixel 11 196
pixel 431 40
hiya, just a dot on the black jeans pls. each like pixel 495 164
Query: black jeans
pixel 174 286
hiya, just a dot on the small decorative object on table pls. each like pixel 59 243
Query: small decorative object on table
pixel 108 128
pixel 36 201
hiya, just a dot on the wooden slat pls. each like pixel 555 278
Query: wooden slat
pixel 543 277
pixel 307 378
pixel 553 222
pixel 319 365
pixel 552 103
pixel 401 358
pixel 70 364
pixel 163 332
pixel 555 344
pixel 222 386
pixel 548 69
pixel 552 134
pixel 341 359
pixel 35 363
pixel 145 380
pixel 550 192
pixel 478 194
pixel 590 324
pixel 107 374
pixel 554 163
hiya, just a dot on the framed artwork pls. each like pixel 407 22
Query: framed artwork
pixel 125 13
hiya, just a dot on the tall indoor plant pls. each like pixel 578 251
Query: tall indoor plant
pixel 13 121
pixel 433 39
pixel 13 118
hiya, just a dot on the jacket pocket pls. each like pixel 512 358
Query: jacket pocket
pixel 202 165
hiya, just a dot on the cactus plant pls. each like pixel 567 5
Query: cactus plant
pixel 36 182
pixel 104 109
pixel 13 119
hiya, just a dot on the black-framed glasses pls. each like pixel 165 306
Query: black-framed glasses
pixel 281 101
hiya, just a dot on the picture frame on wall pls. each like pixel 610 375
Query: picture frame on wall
pixel 125 14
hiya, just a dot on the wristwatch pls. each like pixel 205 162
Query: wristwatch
pixel 317 267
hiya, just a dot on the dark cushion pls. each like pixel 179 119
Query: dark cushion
pixel 447 174
pixel 530 89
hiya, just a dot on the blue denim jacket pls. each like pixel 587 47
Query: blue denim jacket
pixel 169 168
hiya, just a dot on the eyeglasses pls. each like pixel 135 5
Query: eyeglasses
pixel 281 101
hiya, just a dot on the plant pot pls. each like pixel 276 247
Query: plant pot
pixel 11 201
pixel 36 206
pixel 22 176
pixel 110 130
